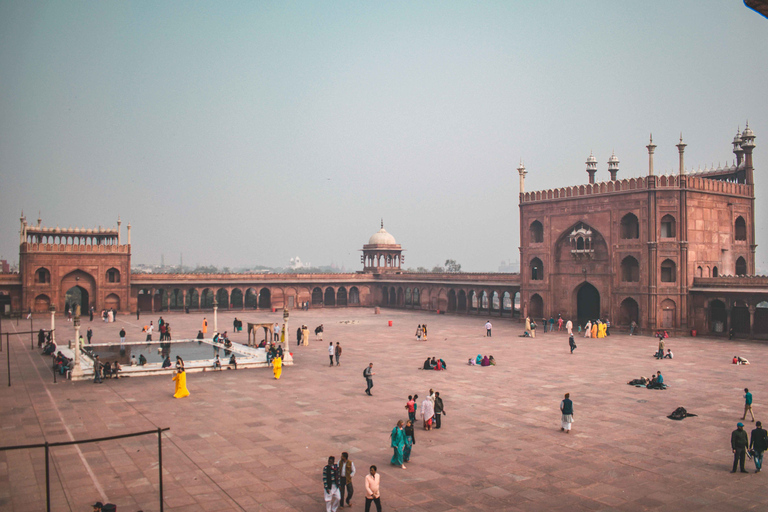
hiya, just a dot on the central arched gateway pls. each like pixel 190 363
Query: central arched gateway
pixel 587 303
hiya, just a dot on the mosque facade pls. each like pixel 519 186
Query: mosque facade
pixel 673 252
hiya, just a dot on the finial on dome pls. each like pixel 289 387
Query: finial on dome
pixel 382 223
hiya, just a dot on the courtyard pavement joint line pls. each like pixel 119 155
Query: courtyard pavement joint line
pixel 172 441
pixel 96 483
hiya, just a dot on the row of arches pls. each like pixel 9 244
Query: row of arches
pixel 250 298
pixel 629 228
pixel 452 300
pixel 72 239
pixel 630 270
pixel 43 276
pixel 75 296
pixel 739 316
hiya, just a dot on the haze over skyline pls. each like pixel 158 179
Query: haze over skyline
pixel 244 134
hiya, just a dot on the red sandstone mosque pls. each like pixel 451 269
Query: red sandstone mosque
pixel 674 252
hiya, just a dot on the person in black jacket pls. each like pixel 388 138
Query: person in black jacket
pixel 758 441
pixel 739 444
pixel 331 483
pixel 439 409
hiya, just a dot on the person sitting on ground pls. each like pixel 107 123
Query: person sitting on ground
pixel 471 362
pixel 735 360
pixel 133 360
pixel 485 361
pixel 445 366
pixel 657 382
pixel 142 360
pixel 742 360
pixel 217 363
pixel 439 366
pixel 642 381
pixel 116 369
pixel 200 335
pixel 227 343
pixel 107 370
pixel 427 365
pixel 479 359
pixel 433 363
pixel 216 337
pixel 49 349
pixel 492 360
pixel 669 354
pixel 166 362
pixel 233 361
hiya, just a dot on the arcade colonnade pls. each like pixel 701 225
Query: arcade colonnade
pixel 467 299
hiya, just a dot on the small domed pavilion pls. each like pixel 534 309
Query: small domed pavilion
pixel 382 253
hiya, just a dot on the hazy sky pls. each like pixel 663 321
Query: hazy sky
pixel 244 133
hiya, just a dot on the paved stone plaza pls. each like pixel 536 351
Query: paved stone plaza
pixel 243 441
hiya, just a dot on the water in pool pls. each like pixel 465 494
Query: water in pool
pixel 153 351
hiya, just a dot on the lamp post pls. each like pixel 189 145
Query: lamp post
pixel 287 331
pixel 76 370
pixel 52 309
pixel 215 315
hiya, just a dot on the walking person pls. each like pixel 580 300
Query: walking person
pixel 205 325
pixel 96 370
pixel 739 443
pixel 347 468
pixel 337 353
pixel 397 442
pixel 758 443
pixel 298 336
pixel 571 343
pixel 559 323
pixel 90 314
pixel 410 440
pixel 331 484
pixel 138 313
pixel 150 329
pixel 551 324
pixel 330 351
pixel 368 374
pixel 319 332
pixel 748 405
pixel 418 333
pixel 89 335
pixel 488 329
pixel 372 490
pixel 427 413
pixel 566 408
pixel 410 406
pixel 439 409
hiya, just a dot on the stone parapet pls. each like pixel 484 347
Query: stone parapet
pixel 29 247
pixel 636 184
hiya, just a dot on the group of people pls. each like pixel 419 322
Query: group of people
pixel 740 360
pixel 660 352
pixel 434 364
pixel 597 329
pixel 302 336
pixel 337 481
pixel 482 360
pixel 237 325
pixel 403 437
pixel 421 332
pixel 107 370
pixel 61 363
pixel 334 352
pixel 108 315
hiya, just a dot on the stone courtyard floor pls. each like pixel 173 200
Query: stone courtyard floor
pixel 244 441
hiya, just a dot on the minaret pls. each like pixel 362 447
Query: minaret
pixel 39 219
pixel 591 167
pixel 651 148
pixel 737 148
pixel 22 234
pixel 613 166
pixel 681 148
pixel 522 172
pixel 748 144
pixel 119 222
pixel 129 233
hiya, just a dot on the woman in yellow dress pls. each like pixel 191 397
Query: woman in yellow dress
pixel 277 366
pixel 305 335
pixel 181 384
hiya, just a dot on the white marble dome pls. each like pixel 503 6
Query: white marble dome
pixel 381 237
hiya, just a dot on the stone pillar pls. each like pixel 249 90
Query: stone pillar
pixel 522 172
pixel 52 309
pixel 76 370
pixel 287 345
pixel 215 314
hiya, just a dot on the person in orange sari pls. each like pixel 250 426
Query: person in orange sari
pixel 205 326
pixel 277 366
pixel 180 377
pixel 594 330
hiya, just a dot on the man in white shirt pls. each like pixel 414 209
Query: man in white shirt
pixel 488 329
pixel 330 351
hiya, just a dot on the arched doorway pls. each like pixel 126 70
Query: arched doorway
pixel 78 296
pixel 42 303
pixel 452 301
pixel 629 312
pixel 265 298
pixel 330 297
pixel 740 317
pixel 587 303
pixel 461 301
pixel 668 314
pixel 536 307
pixel 718 317
pixel 112 301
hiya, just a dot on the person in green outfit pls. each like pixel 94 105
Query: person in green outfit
pixel 397 438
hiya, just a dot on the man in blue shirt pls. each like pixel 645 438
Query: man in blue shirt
pixel 748 404
pixel 659 378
